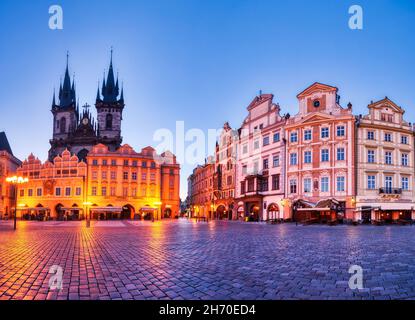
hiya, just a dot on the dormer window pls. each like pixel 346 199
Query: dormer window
pixel 316 103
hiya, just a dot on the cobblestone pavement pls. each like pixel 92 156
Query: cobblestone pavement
pixel 215 260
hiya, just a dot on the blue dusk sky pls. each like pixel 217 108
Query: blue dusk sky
pixel 198 61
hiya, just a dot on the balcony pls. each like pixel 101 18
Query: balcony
pixel 390 191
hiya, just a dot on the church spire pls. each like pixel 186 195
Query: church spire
pixel 110 89
pixel 67 92
pixel 53 100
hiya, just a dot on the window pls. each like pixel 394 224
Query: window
pixel 63 125
pixel 325 184
pixel 144 164
pixel 263 184
pixel 276 161
pixel 404 139
pixel 388 157
pixel 404 159
pixel 152 176
pixel 340 154
pixel 125 192
pixel 104 191
pixel 94 175
pixel 135 163
pixel 22 192
pixel 325 132
pixel 30 193
pixel 293 186
pixel 94 191
pixel 340 184
pixel 78 191
pixel 57 192
pixel 307 157
pixel 276 137
pixel 341 131
pixel 245 149
pixel 370 135
pixel 112 191
pixel 371 182
pixel 256 144
pixel 293 137
pixel 125 163
pixel 324 155
pixel 104 175
pixel 386 117
pixel 153 165
pixel 307 135
pixel 113 175
pixel 307 185
pixel 276 182
pixel 39 192
pixel 265 141
pixel 68 191
pixel 134 176
pixel 265 164
pixel 242 187
pixel 125 175
pixel 388 184
pixel 293 159
pixel 144 176
pixel 134 192
pixel 388 137
pixel 405 183
pixel 108 122
pixel 113 162
pixel 371 156
pixel 95 162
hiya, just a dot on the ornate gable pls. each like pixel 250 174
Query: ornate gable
pixel 316 87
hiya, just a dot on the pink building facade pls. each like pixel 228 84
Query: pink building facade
pixel 320 161
pixel 260 166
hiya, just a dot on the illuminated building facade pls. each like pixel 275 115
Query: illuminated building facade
pixel 121 184
pixel 320 157
pixel 385 164
pixel 202 200
pixel 260 165
pixel 8 166
pixel 224 176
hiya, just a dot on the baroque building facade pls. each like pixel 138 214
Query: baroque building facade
pixel 320 181
pixel 260 165
pixel 385 164
pixel 224 176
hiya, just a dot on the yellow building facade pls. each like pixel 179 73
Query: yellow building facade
pixel 121 184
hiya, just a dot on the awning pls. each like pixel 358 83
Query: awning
pixel 72 209
pixel 106 209
pixel 148 209
pixel 313 209
pixel 33 209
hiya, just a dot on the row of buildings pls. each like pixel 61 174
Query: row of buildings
pixel 323 164
pixel 89 170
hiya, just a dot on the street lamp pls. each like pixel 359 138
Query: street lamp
pixel 15 181
pixel 88 213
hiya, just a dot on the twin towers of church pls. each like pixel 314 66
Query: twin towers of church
pixel 75 129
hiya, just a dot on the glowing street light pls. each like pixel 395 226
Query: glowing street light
pixel 15 181
pixel 88 213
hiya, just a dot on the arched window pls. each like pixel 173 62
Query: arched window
pixel 108 122
pixel 63 125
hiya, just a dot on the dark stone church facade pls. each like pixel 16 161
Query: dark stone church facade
pixel 77 130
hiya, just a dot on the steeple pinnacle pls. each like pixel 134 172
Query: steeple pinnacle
pixel 67 92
